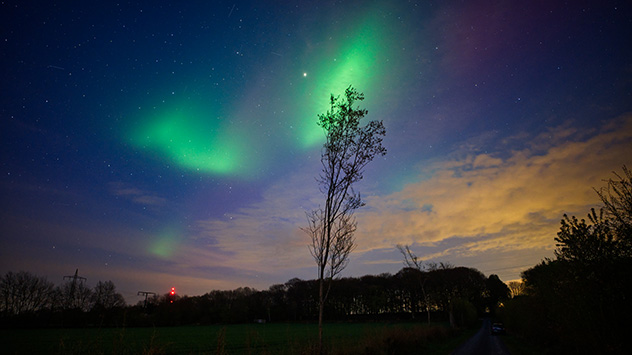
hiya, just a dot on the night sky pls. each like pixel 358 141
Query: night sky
pixel 176 145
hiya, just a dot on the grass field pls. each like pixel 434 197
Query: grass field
pixel 273 338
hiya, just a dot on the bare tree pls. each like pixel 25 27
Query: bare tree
pixel 448 292
pixel 75 296
pixel 341 245
pixel 412 261
pixel 105 296
pixel 23 292
pixel 347 150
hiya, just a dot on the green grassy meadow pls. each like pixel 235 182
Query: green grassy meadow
pixel 273 338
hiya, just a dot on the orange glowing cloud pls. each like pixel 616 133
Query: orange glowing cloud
pixel 499 204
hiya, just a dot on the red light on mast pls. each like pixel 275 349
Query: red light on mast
pixel 172 295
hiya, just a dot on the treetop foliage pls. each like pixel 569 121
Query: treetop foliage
pixel 616 197
pixel 349 147
pixel 578 241
pixel 608 235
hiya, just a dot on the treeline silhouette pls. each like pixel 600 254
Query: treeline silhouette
pixel 30 300
pixel 458 293
pixel 462 290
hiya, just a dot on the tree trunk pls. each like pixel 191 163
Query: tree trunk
pixel 451 312
pixel 426 301
pixel 321 305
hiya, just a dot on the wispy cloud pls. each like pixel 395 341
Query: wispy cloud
pixel 137 195
pixel 265 236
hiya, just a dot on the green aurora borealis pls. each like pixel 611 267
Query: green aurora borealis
pixel 200 138
pixel 195 140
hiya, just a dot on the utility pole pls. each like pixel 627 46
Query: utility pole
pixel 146 293
pixel 73 285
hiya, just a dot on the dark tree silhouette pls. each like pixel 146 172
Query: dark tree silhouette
pixel 105 296
pixel 23 292
pixel 412 261
pixel 616 197
pixel 580 301
pixel 497 291
pixel 348 148
pixel 75 296
pixel 456 284
pixel 587 243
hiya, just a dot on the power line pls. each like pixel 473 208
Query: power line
pixel 73 285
